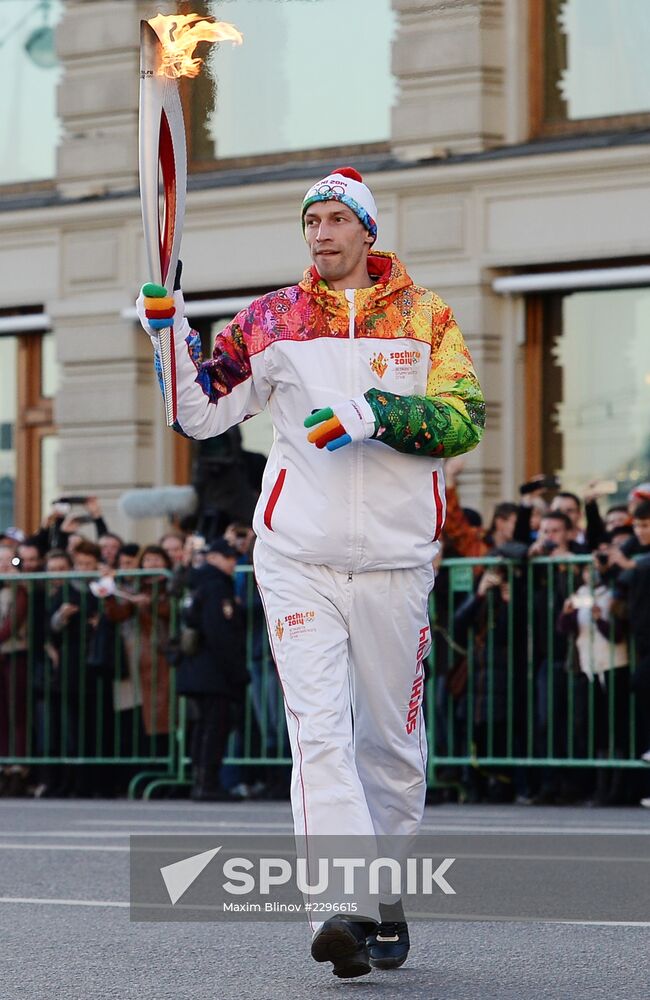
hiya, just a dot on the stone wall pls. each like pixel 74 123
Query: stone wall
pixel 456 225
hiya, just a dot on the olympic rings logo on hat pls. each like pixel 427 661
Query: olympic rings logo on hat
pixel 335 189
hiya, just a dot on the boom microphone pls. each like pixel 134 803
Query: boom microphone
pixel 159 501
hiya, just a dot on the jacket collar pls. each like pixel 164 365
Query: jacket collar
pixel 386 268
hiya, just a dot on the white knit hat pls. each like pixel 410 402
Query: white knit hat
pixel 345 184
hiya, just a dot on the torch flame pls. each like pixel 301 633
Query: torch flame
pixel 179 35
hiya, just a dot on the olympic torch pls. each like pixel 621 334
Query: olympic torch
pixel 167 45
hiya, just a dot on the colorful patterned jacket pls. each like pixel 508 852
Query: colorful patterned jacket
pixel 377 504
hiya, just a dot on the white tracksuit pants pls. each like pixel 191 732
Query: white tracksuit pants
pixel 350 648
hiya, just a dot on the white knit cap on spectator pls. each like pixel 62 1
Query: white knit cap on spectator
pixel 345 184
pixel 640 492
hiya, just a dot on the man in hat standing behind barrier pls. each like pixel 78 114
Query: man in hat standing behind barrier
pixel 213 672
pixel 369 385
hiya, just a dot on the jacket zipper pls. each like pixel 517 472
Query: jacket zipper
pixel 356 452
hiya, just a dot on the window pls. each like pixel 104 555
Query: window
pixel 8 410
pixel 310 75
pixel 589 64
pixel 589 369
pixel 29 74
pixel 28 442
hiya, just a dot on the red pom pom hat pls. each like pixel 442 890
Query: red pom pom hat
pixel 345 184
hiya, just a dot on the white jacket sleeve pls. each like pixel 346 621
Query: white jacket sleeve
pixel 213 395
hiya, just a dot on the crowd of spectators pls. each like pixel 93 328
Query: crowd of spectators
pixel 87 654
pixel 559 646
pixel 536 653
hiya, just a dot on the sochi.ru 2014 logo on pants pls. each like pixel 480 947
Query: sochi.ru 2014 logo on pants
pixel 296 624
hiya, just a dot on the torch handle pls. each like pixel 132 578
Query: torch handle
pixel 168 369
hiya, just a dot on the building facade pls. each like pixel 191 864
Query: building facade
pixel 511 170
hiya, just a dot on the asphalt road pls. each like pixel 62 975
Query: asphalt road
pixel 65 932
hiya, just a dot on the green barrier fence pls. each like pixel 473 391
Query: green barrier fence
pixel 520 681
pixel 87 696
pixel 86 691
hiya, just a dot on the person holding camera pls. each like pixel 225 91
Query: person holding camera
pixel 553 581
pixel 589 617
pixel 491 623
pixel 62 521
pixel 532 507
pixel 143 612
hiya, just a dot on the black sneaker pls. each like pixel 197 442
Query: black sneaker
pixel 388 945
pixel 343 943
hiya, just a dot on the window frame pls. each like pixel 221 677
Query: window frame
pixel 13 188
pixel 278 158
pixel 34 421
pixel 538 309
pixel 282 159
pixel 533 408
pixel 538 126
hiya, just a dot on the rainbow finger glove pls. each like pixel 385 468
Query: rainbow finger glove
pixel 155 308
pixel 336 426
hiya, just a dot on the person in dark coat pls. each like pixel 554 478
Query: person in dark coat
pixel 215 676
pixel 633 589
pixel 491 624
pixel 86 712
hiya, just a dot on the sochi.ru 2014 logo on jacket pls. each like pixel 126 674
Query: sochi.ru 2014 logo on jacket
pixel 401 363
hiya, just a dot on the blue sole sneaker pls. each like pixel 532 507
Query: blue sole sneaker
pixel 389 944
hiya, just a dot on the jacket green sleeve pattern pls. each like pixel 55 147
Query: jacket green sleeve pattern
pixel 450 418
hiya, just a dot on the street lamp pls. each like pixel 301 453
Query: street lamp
pixel 39 44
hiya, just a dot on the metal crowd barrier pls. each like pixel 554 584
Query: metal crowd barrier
pixel 88 699
pixel 508 691
pixel 92 703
